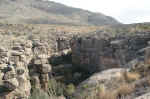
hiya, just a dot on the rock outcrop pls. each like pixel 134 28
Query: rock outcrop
pixel 39 66
pixel 104 78
pixel 145 96
pixel 101 51
pixel 25 62
pixel 16 74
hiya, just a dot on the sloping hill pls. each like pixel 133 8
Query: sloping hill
pixel 48 12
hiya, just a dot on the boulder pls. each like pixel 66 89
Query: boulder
pixel 37 62
pixel 2 49
pixel 23 58
pixel 20 64
pixel 104 78
pixel 28 44
pixel 4 54
pixel 10 73
pixel 133 63
pixel 44 78
pixel 17 48
pixel 1 76
pixel 11 84
pixel 144 96
pixel 42 56
pixel 45 68
pixel 28 51
pixel 16 53
pixel 3 66
pixel 20 71
pixel 35 81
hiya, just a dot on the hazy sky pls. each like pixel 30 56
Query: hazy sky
pixel 125 11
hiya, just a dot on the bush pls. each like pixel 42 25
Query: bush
pixel 39 94
pixel 70 90
pixel 55 88
pixel 59 89
pixel 125 89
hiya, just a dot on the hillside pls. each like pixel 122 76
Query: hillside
pixel 48 12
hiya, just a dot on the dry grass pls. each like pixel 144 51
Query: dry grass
pixel 107 95
pixel 125 89
pixel 131 76
pixel 101 92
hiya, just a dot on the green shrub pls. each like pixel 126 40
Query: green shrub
pixel 70 89
pixel 39 94
pixel 55 88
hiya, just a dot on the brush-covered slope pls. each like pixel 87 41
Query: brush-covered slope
pixel 48 12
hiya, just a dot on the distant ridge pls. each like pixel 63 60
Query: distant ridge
pixel 49 12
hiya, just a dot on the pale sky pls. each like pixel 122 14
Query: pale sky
pixel 125 11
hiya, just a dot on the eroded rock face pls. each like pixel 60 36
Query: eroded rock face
pixel 39 72
pixel 15 74
pixel 15 66
pixel 96 53
pixel 40 67
pixel 11 84
pixel 3 55
pixel 62 43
